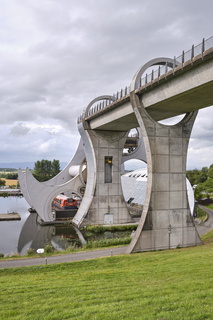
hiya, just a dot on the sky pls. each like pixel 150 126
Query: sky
pixel 57 56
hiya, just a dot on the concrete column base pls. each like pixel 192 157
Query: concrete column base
pixel 166 220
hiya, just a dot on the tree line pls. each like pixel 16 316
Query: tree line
pixel 202 181
pixel 10 176
pixel 7 173
pixel 43 171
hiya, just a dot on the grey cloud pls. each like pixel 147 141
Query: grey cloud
pixel 56 56
pixel 19 129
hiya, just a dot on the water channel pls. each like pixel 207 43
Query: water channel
pixel 19 236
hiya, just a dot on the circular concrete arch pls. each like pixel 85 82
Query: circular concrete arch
pixel 139 153
pixel 157 61
pixel 104 97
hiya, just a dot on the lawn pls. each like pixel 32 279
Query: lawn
pixel 210 206
pixel 161 285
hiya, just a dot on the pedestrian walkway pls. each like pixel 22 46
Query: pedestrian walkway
pixel 86 255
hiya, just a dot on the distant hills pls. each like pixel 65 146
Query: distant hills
pixel 17 165
pixel 23 165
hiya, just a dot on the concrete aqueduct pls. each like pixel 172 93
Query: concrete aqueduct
pixel 176 86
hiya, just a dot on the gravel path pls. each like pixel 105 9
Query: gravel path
pixel 206 226
pixel 86 255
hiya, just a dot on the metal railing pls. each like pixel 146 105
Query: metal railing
pixel 149 78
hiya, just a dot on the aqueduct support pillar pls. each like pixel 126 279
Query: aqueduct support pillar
pixel 166 220
pixel 103 201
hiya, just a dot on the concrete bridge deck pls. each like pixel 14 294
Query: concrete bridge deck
pixel 186 88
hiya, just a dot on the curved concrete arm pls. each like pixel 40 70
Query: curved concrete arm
pixel 158 61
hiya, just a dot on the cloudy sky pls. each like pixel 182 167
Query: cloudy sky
pixel 56 56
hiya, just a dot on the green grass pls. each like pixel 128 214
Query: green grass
pixel 210 206
pixel 161 285
pixel 208 237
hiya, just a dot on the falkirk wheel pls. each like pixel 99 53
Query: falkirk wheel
pixel 94 174
pixel 72 179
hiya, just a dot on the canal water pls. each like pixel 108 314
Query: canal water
pixel 19 236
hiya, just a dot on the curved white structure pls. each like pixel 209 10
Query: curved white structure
pixel 134 185
pixel 40 195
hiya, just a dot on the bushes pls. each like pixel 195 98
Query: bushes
pixel 4 194
pixel 102 229
pixel 30 252
pixel 48 248
pixel 105 236
pixel 107 242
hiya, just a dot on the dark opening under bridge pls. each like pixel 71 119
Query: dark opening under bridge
pixel 175 86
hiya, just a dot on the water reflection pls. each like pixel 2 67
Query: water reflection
pixel 35 236
pixel 19 236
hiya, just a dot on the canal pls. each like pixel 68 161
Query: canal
pixel 16 237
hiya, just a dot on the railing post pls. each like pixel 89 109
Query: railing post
pixel 152 78
pixel 192 54
pixel 166 69
pixel 158 73
pixel 182 59
pixel 174 64
pixel 203 46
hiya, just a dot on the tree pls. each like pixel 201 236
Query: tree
pixel 45 169
pixel 203 180
pixel 198 192
pixel 193 176
pixel 210 171
pixel 2 182
pixel 207 186
pixel 12 176
pixel 55 167
pixel 203 175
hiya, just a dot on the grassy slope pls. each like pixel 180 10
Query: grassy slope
pixel 172 284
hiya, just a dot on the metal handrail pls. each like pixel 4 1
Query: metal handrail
pixel 155 74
